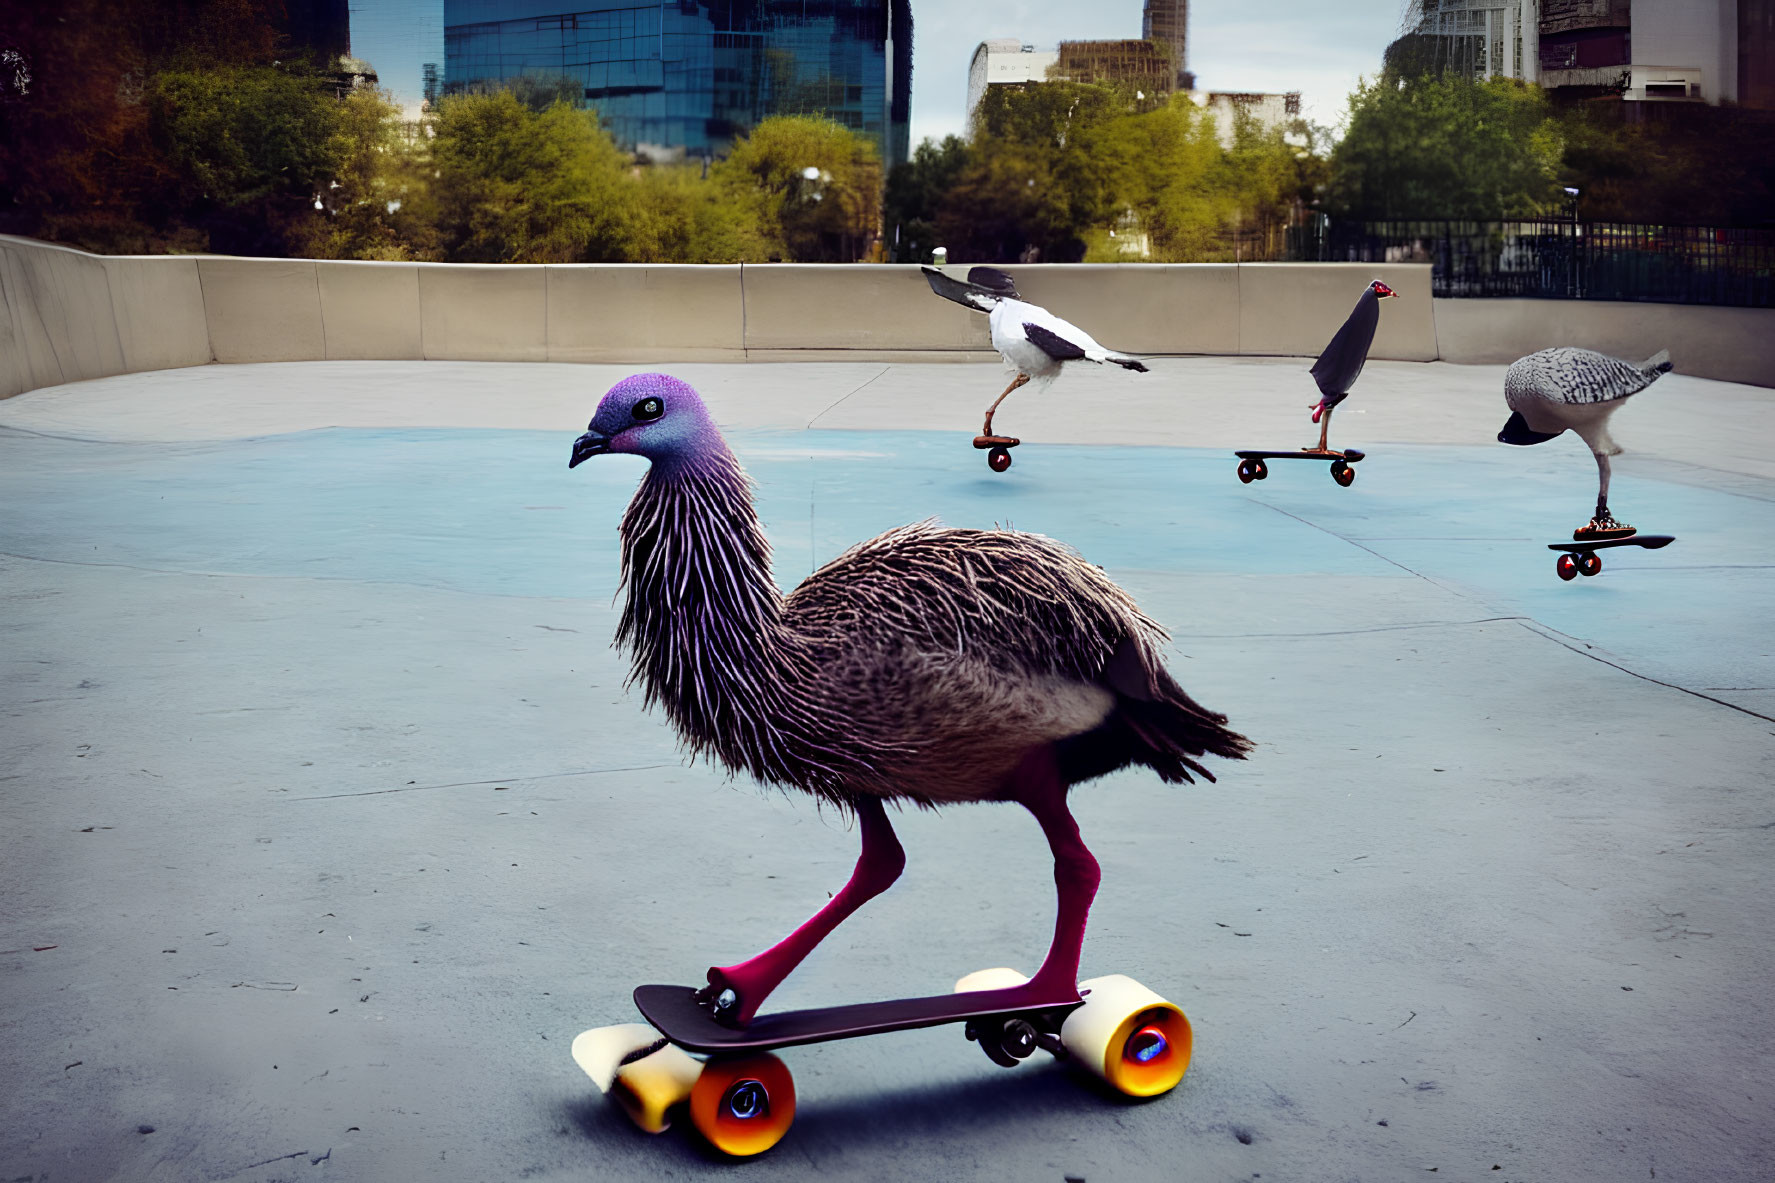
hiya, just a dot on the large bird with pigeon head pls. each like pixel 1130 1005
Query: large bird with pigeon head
pixel 928 665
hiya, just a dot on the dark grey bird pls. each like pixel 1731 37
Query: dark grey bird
pixel 928 665
pixel 1341 364
pixel 1556 389
pixel 1033 341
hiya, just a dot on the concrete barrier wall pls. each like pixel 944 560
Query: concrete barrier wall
pixel 157 301
pixel 1292 309
pixel 1730 344
pixel 69 316
pixel 59 325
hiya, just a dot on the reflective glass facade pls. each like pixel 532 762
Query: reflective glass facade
pixel 692 75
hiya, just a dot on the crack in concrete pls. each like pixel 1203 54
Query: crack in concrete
pixel 1532 625
pixel 858 390
pixel 1536 628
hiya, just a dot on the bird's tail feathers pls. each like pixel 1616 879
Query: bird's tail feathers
pixel 1658 363
pixel 1128 363
pixel 1155 723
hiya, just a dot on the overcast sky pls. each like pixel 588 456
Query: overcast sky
pixel 1318 47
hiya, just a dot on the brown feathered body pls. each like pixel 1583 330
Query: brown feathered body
pixel 922 665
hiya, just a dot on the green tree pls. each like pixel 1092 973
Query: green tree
pixel 815 184
pixel 374 203
pixel 1444 146
pixel 78 161
pixel 516 186
pixel 687 218
pixel 1046 167
pixel 251 147
pixel 1691 164
pixel 915 192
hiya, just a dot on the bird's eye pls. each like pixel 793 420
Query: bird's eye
pixel 647 410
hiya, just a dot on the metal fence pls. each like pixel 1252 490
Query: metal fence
pixel 1560 259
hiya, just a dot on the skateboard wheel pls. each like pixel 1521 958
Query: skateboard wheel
pixel 1567 566
pixel 999 459
pixel 1342 473
pixel 1127 1035
pixel 744 1105
pixel 1245 475
pixel 1590 564
pixel 1001 978
pixel 638 1070
pixel 1259 470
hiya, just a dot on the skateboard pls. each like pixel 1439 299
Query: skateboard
pixel 998 450
pixel 1580 558
pixel 1253 468
pixel 741 1097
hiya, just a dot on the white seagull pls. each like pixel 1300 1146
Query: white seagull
pixel 1579 389
pixel 1033 341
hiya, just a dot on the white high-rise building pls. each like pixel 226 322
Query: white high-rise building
pixel 1004 60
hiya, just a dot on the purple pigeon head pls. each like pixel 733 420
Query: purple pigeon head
pixel 651 415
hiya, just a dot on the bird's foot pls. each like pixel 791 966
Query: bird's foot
pixel 734 995
pixel 1603 527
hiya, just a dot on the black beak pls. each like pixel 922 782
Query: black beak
pixel 960 291
pixel 1517 431
pixel 587 446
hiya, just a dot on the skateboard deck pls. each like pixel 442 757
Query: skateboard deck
pixel 742 1097
pixel 675 1012
pixel 1580 558
pixel 1253 468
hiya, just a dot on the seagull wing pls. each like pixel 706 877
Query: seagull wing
pixel 1065 341
pixel 1052 343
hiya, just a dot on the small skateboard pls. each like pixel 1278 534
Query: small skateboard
pixel 997 449
pixel 742 1098
pixel 1580 558
pixel 1253 468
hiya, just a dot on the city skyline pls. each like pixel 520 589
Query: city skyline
pixel 1288 45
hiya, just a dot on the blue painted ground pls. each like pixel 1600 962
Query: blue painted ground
pixel 498 512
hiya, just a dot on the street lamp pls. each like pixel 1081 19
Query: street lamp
pixel 1571 196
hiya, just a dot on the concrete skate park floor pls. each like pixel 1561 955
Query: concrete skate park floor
pixel 326 823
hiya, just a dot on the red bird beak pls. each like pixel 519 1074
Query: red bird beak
pixel 1318 410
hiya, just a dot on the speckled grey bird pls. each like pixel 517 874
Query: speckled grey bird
pixel 928 665
pixel 1556 389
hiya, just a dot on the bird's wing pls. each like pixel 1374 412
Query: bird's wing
pixel 1585 376
pixel 964 293
pixel 1001 597
pixel 1052 343
pixel 1338 367
pixel 1070 335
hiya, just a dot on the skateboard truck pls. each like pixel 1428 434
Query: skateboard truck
pixel 998 450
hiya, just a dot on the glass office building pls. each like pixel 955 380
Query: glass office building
pixel 690 75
